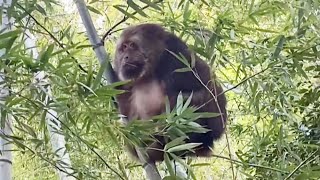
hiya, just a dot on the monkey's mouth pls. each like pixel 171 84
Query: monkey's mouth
pixel 131 70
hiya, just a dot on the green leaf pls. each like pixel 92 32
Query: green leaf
pixel 66 32
pixel 151 4
pixel 187 103
pixel 168 109
pixel 188 146
pixel 179 160
pixel 251 6
pixel 9 34
pixel 19 144
pixel 98 78
pixel 105 91
pixel 278 48
pixel 84 46
pixel 175 132
pixel 65 49
pixel 45 56
pixel 187 69
pixel 118 7
pixel 205 2
pixel 186 11
pixel 93 1
pixel 88 88
pixel 136 8
pixel 175 142
pixel 41 10
pixel 168 164
pixel 193 59
pixel 214 38
pixel 29 129
pixel 112 136
pixel 251 16
pixel 207 114
pixel 194 124
pixel 179 104
pixel 94 10
pixel 180 57
pixel 9 43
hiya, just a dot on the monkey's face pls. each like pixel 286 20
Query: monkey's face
pixel 138 51
pixel 131 60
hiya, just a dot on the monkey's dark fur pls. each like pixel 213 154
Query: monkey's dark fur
pixel 143 56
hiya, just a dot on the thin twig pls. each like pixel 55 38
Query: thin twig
pixel 240 83
pixel 300 165
pixel 249 164
pixel 243 81
pixel 221 115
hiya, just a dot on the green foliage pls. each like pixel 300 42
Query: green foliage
pixel 266 53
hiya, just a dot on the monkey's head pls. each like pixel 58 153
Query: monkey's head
pixel 138 50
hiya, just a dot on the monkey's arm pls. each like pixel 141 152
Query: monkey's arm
pixel 197 81
pixel 186 82
pixel 205 93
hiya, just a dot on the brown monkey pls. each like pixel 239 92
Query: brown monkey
pixel 144 56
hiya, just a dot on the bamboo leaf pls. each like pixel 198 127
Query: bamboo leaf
pixel 168 164
pixel 190 171
pixel 188 146
pixel 9 34
pixel 151 4
pixel 98 78
pixel 88 88
pixel 118 7
pixel 175 142
pixel 136 8
pixel 179 103
pixel 187 103
pixel 45 56
pixel 278 48
pixel 94 10
pixel 181 70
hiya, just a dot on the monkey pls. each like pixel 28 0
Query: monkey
pixel 144 55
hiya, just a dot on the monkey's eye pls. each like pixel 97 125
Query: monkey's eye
pixel 128 45
pixel 133 45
